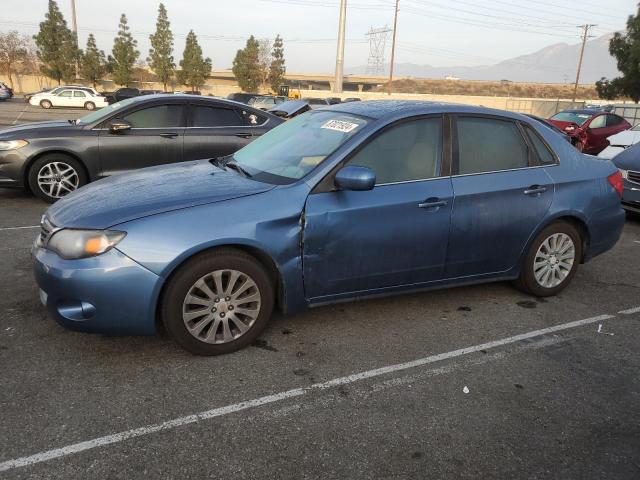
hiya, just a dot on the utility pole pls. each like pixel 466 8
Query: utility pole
pixel 393 49
pixel 585 35
pixel 74 29
pixel 337 86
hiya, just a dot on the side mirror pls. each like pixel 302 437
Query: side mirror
pixel 118 126
pixel 355 178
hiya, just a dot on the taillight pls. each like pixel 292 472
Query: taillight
pixel 616 181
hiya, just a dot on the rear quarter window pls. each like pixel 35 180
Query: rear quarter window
pixel 541 150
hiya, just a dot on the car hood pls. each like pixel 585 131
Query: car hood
pixel 150 191
pixel 628 159
pixel 625 138
pixel 21 130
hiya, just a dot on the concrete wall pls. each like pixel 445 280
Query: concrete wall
pixel 222 88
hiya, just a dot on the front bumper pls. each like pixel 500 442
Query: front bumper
pixel 12 163
pixel 109 294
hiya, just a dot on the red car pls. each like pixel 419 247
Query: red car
pixel 589 129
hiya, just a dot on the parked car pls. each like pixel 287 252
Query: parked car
pixel 589 129
pixel 6 92
pixel 290 109
pixel 620 141
pixel 59 89
pixel 352 99
pixel 242 97
pixel 55 158
pixel 629 164
pixel 120 94
pixel 266 102
pixel 548 124
pixel 69 97
pixel 358 199
pixel 317 102
pixel 150 92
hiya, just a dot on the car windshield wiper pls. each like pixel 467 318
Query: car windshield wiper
pixel 236 166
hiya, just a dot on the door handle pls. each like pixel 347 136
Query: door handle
pixel 432 203
pixel 244 135
pixel 169 135
pixel 535 190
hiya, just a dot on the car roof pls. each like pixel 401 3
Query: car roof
pixel 381 109
pixel 586 111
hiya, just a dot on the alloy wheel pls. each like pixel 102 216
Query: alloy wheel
pixel 554 260
pixel 56 179
pixel 221 306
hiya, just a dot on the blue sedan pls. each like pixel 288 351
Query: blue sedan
pixel 350 201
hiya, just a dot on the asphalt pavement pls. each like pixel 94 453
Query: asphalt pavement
pixel 474 382
pixel 16 112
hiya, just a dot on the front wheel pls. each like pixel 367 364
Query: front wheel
pixel 552 260
pixel 55 175
pixel 46 104
pixel 218 302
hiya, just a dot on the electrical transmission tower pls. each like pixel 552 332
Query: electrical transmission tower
pixel 377 43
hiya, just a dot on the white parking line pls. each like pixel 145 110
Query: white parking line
pixel 19 228
pixel 21 114
pixel 278 397
pixel 630 311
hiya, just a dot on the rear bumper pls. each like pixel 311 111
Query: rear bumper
pixel 605 228
pixel 108 294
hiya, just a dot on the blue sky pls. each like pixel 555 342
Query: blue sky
pixel 436 32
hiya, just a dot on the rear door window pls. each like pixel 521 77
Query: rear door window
pixel 204 116
pixel 79 94
pixel 598 122
pixel 489 145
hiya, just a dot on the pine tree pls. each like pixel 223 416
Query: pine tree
pixel 124 54
pixel 277 68
pixel 57 47
pixel 246 66
pixel 160 58
pixel 194 69
pixel 93 66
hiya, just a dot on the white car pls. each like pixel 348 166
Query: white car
pixel 84 97
pixel 620 141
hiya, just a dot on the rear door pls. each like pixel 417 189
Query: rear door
pixel 502 195
pixel 215 130
pixel 155 138
pixel 79 98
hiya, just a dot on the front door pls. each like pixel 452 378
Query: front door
pixel 155 138
pixel 393 235
pixel 500 196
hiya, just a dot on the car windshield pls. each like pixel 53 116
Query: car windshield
pixel 573 117
pixel 104 112
pixel 291 150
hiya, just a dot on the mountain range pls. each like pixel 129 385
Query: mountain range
pixel 553 64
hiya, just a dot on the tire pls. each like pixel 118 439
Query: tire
pixel 190 314
pixel 534 278
pixel 46 104
pixel 90 106
pixel 55 175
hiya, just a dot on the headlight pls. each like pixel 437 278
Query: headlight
pixel 625 174
pixel 12 144
pixel 73 244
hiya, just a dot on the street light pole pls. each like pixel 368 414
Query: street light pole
pixel 337 86
pixel 393 49
pixel 74 29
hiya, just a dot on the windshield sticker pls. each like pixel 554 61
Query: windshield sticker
pixel 340 126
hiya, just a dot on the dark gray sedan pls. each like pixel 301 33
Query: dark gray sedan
pixel 55 158
pixel 628 162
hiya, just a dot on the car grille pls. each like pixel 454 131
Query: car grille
pixel 46 229
pixel 634 176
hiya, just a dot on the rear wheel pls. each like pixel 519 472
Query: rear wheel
pixel 45 104
pixel 217 302
pixel 90 106
pixel 53 176
pixel 552 260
